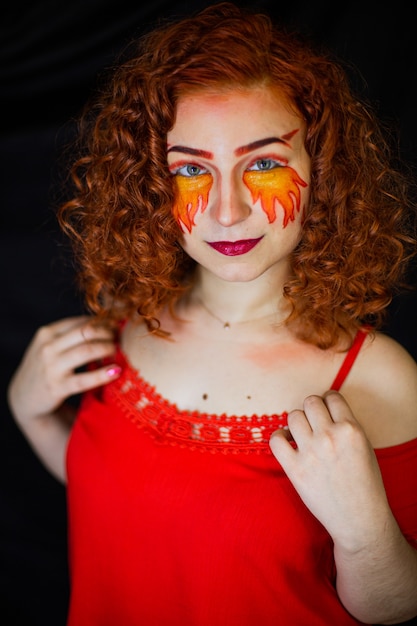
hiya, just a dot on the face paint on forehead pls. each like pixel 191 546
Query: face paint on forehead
pixel 281 184
pixel 192 196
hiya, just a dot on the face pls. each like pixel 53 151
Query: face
pixel 242 176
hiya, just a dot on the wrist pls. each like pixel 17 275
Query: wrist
pixel 377 537
pixel 367 533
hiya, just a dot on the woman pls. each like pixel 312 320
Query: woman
pixel 239 232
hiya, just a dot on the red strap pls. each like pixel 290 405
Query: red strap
pixel 349 359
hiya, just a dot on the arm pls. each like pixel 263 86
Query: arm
pixel 46 378
pixel 335 472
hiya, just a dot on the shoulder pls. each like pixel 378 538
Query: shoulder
pixel 382 391
pixel 385 362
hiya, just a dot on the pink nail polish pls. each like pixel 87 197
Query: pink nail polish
pixel 113 370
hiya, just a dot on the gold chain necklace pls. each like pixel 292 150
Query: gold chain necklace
pixel 227 325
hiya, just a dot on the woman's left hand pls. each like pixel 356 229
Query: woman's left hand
pixel 334 469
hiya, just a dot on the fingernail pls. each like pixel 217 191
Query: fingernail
pixel 113 370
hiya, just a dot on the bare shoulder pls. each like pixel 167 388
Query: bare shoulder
pixel 387 364
pixel 382 391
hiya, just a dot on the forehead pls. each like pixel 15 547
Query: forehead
pixel 239 116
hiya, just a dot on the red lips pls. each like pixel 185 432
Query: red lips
pixel 234 248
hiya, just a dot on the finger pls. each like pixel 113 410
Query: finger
pixel 85 334
pixel 61 337
pixel 62 326
pixel 66 323
pixel 85 381
pixel 298 425
pixel 337 407
pixel 84 353
pixel 317 413
pixel 282 446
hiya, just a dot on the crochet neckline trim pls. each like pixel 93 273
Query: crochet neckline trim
pixel 168 424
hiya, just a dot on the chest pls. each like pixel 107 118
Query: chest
pixel 221 375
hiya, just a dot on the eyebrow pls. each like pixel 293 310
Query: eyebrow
pixel 254 145
pixel 201 153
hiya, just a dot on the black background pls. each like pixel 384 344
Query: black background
pixel 50 56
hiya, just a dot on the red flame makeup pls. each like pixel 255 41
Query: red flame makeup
pixel 193 192
pixel 281 184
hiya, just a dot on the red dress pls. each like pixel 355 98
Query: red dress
pixel 187 519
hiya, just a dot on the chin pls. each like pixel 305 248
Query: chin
pixel 236 274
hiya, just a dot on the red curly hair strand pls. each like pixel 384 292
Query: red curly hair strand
pixel 356 240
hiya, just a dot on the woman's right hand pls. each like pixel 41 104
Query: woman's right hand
pixel 50 372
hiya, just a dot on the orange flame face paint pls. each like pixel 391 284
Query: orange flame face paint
pixel 281 184
pixel 192 195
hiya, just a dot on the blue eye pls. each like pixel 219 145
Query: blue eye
pixel 264 165
pixel 190 170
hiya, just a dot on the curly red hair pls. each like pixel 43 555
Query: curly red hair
pixel 356 238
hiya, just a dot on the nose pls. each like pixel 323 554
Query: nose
pixel 231 205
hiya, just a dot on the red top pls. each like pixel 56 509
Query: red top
pixel 187 519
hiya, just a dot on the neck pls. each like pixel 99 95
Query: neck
pixel 234 303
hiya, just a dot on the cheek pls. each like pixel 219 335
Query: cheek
pixel 192 196
pixel 281 184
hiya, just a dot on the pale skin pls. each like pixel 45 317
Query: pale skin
pixel 257 365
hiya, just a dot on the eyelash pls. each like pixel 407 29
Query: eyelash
pixel 275 163
pixel 177 170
